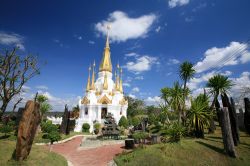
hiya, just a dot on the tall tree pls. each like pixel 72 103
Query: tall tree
pixel 44 105
pixel 217 85
pixel 177 99
pixel 166 95
pixel 186 72
pixel 15 71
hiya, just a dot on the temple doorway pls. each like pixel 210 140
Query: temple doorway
pixel 104 113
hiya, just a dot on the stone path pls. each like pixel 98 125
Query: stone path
pixel 100 156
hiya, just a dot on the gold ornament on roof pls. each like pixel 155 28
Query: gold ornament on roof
pixel 93 77
pixel 104 100
pixel 106 64
pixel 85 100
pixel 88 83
pixel 123 101
pixel 120 84
pixel 105 84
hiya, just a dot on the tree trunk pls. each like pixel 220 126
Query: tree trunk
pixel 247 115
pixel 217 106
pixel 226 103
pixel 3 108
pixel 227 133
pixel 236 120
pixel 212 126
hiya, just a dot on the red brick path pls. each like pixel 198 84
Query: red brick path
pixel 90 157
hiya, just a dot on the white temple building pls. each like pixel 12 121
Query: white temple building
pixel 103 95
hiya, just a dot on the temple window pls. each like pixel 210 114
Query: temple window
pixel 86 111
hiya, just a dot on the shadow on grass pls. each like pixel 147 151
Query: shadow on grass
pixel 213 137
pixel 4 136
pixel 219 150
pixel 213 140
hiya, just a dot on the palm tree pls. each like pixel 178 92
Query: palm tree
pixel 177 99
pixel 186 72
pixel 44 105
pixel 165 95
pixel 218 84
pixel 199 115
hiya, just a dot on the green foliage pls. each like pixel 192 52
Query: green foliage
pixel 42 98
pixel 85 127
pixel 54 136
pixel 140 135
pixel 219 84
pixel 135 106
pixel 45 107
pixel 97 126
pixel 186 72
pixel 48 127
pixel 174 132
pixel 135 121
pixel 123 122
pixel 199 115
pixel 6 128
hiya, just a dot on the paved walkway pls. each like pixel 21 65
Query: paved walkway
pixel 89 157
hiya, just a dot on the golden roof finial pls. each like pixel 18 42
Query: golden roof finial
pixel 88 84
pixel 117 78
pixel 105 84
pixel 93 77
pixel 106 64
pixel 121 88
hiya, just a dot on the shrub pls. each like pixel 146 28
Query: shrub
pixel 97 127
pixel 138 136
pixel 174 132
pixel 47 127
pixel 6 129
pixel 85 127
pixel 123 122
pixel 54 136
pixel 135 121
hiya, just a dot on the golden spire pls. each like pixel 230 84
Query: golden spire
pixel 121 88
pixel 88 84
pixel 105 84
pixel 117 78
pixel 93 77
pixel 106 64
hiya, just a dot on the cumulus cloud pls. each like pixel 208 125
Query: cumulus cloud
pixel 141 64
pixel 197 84
pixel 240 83
pixel 91 42
pixel 126 84
pixel 132 96
pixel 124 27
pixel 139 78
pixel 11 39
pixel 175 3
pixel 233 54
pixel 42 87
pixel 172 61
pixel 158 29
pixel 156 100
pixel 135 90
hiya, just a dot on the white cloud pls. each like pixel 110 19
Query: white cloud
pixel 139 78
pixel 198 82
pixel 42 87
pixel 124 27
pixel 173 61
pixel 79 38
pixel 132 54
pixel 126 84
pixel 240 83
pixel 142 63
pixel 189 19
pixel 132 96
pixel 12 39
pixel 233 54
pixel 158 29
pixel 135 90
pixel 175 3
pixel 25 88
pixel 156 100
pixel 91 42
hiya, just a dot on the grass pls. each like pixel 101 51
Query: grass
pixel 39 156
pixel 190 151
pixel 40 139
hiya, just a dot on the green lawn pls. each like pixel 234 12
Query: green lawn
pixel 39 156
pixel 208 151
pixel 39 139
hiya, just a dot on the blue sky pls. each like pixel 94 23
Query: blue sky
pixel 149 40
